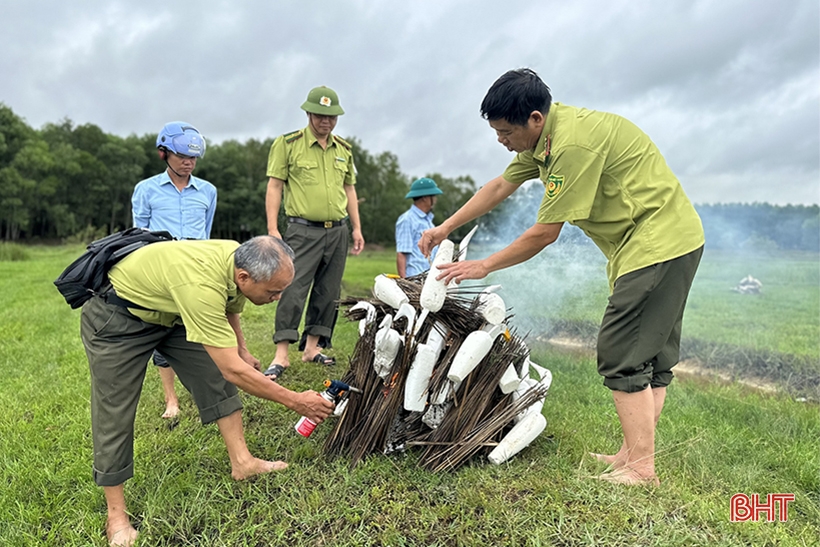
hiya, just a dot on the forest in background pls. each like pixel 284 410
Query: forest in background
pixel 67 182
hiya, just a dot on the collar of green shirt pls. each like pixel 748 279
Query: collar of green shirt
pixel 312 138
pixel 542 150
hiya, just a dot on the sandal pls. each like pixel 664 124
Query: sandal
pixel 274 371
pixel 323 359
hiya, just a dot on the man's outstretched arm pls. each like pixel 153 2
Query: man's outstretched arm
pixel 526 246
pixel 487 197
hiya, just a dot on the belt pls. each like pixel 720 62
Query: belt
pixel 324 224
pixel 110 297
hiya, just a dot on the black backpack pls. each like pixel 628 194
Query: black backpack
pixel 84 277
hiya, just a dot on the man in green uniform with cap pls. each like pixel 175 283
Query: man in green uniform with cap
pixel 182 298
pixel 314 169
pixel 604 175
pixel 412 223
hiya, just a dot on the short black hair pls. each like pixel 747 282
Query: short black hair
pixel 515 95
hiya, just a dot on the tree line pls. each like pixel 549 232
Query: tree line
pixel 67 181
pixel 75 182
pixel 732 226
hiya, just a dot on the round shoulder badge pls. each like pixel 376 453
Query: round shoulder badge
pixel 554 184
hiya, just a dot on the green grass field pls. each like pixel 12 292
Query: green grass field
pixel 714 440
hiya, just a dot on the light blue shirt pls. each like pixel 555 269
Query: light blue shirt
pixel 188 214
pixel 409 227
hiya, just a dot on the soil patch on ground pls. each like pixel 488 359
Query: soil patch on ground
pixel 766 371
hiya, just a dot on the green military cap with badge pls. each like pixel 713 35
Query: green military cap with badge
pixel 323 101
pixel 423 187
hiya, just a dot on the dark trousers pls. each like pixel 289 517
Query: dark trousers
pixel 320 255
pixel 118 346
pixel 639 340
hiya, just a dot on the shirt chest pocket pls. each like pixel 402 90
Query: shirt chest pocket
pixel 306 172
pixel 342 168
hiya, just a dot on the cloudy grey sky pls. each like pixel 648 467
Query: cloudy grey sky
pixel 728 89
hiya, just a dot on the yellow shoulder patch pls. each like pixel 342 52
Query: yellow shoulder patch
pixel 294 136
pixel 342 142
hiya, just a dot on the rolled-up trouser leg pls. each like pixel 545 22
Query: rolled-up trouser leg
pixel 118 346
pixel 308 245
pixel 214 396
pixel 639 340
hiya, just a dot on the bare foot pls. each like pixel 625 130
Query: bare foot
pixel 629 476
pixel 256 467
pixel 120 533
pixel 616 461
pixel 171 410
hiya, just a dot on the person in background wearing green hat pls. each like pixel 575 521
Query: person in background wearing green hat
pixel 412 223
pixel 314 170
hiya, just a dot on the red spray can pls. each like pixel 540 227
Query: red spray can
pixel 336 389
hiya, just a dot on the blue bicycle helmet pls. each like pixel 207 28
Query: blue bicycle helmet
pixel 182 139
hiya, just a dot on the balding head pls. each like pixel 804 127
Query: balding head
pixel 263 256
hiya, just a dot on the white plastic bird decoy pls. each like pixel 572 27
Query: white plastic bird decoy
pixel 408 311
pixel 370 314
pixel 386 347
pixel 474 348
pixel 465 243
pixel 433 291
pixel 388 291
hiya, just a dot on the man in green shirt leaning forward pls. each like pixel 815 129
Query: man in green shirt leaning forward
pixel 182 298
pixel 604 175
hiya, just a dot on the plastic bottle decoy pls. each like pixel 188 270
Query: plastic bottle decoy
pixel 519 437
pixel 474 348
pixel 418 378
pixel 433 291
pixel 386 347
pixel 389 292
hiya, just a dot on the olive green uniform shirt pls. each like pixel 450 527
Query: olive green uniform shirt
pixel 604 175
pixel 187 282
pixel 314 178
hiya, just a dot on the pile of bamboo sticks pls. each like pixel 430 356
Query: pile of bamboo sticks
pixel 455 419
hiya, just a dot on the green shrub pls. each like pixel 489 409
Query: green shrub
pixel 86 235
pixel 12 252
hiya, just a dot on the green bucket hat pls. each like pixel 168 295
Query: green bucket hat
pixel 323 100
pixel 423 187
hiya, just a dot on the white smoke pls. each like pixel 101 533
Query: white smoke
pixel 566 281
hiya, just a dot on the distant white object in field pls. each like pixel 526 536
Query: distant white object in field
pixel 748 285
